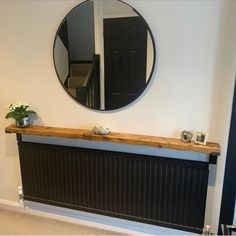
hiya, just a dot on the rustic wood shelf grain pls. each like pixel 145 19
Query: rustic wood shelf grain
pixel 124 138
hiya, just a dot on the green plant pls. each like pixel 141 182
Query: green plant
pixel 18 110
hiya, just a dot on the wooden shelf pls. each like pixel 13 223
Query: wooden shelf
pixel 134 139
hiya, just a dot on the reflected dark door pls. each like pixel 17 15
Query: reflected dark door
pixel 125 49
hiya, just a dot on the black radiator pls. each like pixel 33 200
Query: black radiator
pixel 161 191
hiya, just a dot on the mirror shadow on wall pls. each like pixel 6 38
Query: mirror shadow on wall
pixel 104 54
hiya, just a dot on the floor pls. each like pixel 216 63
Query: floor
pixel 21 223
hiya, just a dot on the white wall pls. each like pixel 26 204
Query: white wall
pixel 192 85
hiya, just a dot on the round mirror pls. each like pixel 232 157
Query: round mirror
pixel 104 54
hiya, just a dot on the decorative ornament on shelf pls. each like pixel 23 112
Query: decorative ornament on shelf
pixel 101 130
pixel 20 113
pixel 186 136
pixel 201 137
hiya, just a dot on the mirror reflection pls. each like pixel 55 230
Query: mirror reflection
pixel 104 54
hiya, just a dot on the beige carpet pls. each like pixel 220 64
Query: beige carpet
pixel 21 223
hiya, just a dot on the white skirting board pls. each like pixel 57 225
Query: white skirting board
pixel 91 220
pixel 9 203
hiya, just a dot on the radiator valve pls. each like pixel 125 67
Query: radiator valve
pixel 206 230
pixel 20 192
pixel 21 196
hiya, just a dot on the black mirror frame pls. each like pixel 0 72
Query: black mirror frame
pixel 151 73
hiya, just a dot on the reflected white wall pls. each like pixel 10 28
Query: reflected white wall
pixel 234 221
pixel 150 56
pixel 61 59
pixel 81 33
